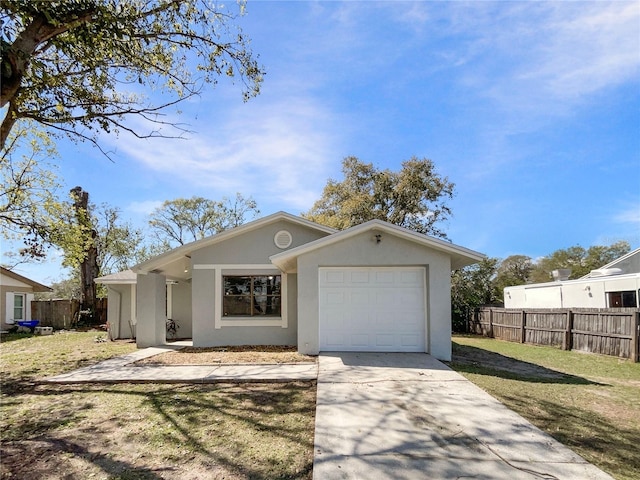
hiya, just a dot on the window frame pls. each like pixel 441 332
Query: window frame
pixel 622 294
pixel 221 270
pixel 23 307
pixel 252 296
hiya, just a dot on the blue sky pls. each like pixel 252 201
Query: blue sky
pixel 531 108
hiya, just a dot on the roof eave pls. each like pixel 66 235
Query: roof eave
pixel 460 256
pixel 185 250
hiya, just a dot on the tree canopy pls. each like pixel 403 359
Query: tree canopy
pixel 580 260
pixel 484 283
pixel 78 67
pixel 185 220
pixel 414 197
pixel 29 209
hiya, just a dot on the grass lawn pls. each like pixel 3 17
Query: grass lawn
pixel 590 403
pixel 143 431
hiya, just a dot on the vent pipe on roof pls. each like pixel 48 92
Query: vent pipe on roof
pixel 605 272
pixel 561 274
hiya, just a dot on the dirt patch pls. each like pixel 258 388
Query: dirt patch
pixel 229 355
pixel 465 355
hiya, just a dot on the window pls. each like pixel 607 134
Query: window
pixel 18 306
pixel 251 295
pixel 622 299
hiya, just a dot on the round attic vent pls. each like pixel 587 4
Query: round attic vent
pixel 282 239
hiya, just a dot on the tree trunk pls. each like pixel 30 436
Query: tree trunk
pixel 89 269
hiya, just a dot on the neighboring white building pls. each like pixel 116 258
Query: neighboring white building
pixel 611 286
pixel 16 295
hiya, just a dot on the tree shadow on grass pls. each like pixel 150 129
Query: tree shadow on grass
pixel 591 435
pixel 54 452
pixel 184 411
pixel 467 359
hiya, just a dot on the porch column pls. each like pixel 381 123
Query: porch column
pixel 151 304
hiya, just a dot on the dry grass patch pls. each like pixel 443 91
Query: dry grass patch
pixel 144 431
pixel 588 402
pixel 230 355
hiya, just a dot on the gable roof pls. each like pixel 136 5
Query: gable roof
pixel 179 253
pixel 37 287
pixel 120 278
pixel 460 256
pixel 628 263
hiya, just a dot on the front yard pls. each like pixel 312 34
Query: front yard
pixel 265 431
pixel 144 431
pixel 591 403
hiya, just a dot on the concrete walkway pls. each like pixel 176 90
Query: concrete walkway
pixel 123 369
pixel 408 416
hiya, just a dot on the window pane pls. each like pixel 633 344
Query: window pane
pixel 252 295
pixel 628 299
pixel 622 299
pixel 18 307
pixel 267 305
pixel 237 285
pixel 239 305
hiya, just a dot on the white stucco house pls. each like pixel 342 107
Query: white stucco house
pixel 614 285
pixel 16 295
pixel 283 280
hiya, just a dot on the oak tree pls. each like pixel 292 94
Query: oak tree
pixel 415 197
pixel 578 259
pixel 185 220
pixel 79 67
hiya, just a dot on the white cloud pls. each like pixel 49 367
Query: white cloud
pixel 630 215
pixel 279 150
pixel 588 48
pixel 550 55
pixel 144 207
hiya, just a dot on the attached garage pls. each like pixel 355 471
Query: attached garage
pixel 372 309
pixel 375 287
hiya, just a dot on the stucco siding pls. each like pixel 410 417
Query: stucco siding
pixel 181 308
pixel 203 322
pixel 254 247
pixel 361 251
pixel 120 310
pixel 151 310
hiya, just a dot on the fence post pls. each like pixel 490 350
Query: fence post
pixel 491 322
pixel 523 326
pixel 568 335
pixel 635 324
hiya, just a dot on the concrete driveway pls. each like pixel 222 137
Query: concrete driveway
pixel 408 416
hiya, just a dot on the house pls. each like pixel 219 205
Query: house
pixel 614 285
pixel 283 280
pixel 16 295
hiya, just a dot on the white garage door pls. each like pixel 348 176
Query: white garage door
pixel 372 309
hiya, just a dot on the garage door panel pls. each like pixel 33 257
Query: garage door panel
pixel 410 277
pixel 359 340
pixel 359 277
pixel 385 278
pixel 335 340
pixel 372 309
pixel 334 298
pixel 385 340
pixel 410 340
pixel 360 298
pixel 333 276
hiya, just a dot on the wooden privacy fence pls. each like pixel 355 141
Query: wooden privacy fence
pixel 607 331
pixel 61 314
